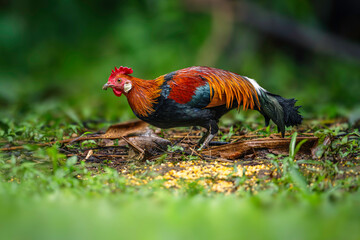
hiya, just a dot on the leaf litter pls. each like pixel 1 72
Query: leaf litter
pixel 249 162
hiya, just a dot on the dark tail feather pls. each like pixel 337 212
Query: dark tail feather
pixel 281 111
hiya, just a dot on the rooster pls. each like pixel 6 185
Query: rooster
pixel 199 96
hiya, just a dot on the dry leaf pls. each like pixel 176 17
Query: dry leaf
pixel 238 149
pixel 124 129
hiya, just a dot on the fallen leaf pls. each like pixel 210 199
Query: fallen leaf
pixel 125 128
pixel 239 149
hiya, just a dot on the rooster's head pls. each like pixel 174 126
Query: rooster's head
pixel 119 81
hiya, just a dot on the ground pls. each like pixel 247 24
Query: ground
pixel 252 160
pixel 137 181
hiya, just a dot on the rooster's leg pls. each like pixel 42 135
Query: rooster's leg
pixel 209 135
pixel 202 140
pixel 207 141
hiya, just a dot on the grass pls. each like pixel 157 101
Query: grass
pixel 162 216
pixel 71 202
pixel 46 195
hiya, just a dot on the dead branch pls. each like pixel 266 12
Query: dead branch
pixel 269 22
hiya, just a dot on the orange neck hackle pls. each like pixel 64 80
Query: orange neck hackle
pixel 143 95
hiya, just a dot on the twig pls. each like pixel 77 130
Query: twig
pixel 142 151
pixel 111 133
pixel 66 141
pixel 99 155
pixel 196 153
pixel 70 140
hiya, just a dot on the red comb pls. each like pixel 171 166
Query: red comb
pixel 121 70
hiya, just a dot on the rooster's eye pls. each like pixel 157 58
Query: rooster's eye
pixel 119 80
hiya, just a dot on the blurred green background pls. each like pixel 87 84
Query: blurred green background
pixel 58 54
pixel 55 57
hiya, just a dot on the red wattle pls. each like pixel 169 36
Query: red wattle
pixel 117 92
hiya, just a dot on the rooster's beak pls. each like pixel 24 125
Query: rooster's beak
pixel 106 86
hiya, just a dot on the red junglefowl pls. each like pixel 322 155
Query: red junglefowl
pixel 199 96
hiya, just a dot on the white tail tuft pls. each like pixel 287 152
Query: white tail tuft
pixel 255 84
